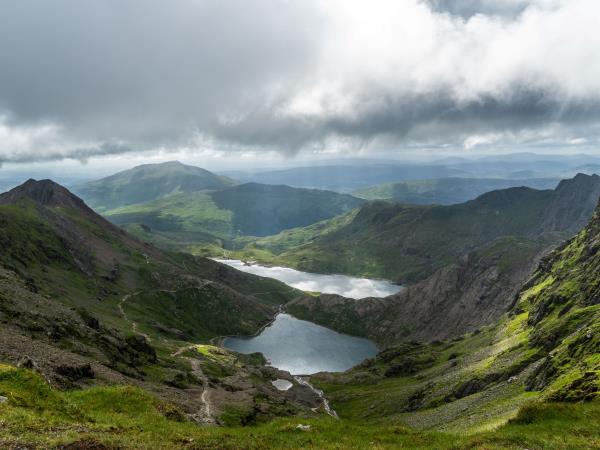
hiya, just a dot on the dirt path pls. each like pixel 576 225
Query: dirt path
pixel 205 414
pixel 134 325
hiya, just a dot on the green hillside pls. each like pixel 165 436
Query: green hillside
pixel 148 182
pixel 262 210
pixel 85 304
pixel 202 221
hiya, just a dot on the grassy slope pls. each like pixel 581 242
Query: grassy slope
pixel 179 220
pixel 262 210
pixel 127 417
pixel 110 266
pixel 269 248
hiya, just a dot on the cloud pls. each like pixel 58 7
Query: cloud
pixel 80 79
pixel 469 8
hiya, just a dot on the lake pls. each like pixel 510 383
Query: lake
pixel 304 348
pixel 351 287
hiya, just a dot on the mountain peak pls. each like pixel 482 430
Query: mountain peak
pixel 43 192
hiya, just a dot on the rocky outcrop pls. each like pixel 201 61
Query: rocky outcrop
pixel 46 193
pixel 572 205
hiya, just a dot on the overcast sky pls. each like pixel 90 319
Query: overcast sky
pixel 119 79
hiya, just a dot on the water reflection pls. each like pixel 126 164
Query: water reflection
pixel 301 347
pixel 347 286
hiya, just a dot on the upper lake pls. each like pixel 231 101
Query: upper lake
pixel 351 287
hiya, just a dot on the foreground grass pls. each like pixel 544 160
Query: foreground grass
pixel 38 416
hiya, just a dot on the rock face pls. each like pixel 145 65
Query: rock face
pixel 456 299
pixel 572 205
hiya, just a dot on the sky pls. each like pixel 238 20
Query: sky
pixel 104 83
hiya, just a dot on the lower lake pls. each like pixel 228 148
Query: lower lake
pixel 304 348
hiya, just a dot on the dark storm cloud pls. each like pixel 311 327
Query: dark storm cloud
pixel 430 118
pixel 145 70
pixel 469 8
pixel 103 77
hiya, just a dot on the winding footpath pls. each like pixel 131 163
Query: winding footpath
pixel 205 414
pixel 134 325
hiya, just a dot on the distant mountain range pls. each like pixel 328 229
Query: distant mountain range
pixel 348 175
pixel 447 191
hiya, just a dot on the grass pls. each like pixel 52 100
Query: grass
pixel 127 417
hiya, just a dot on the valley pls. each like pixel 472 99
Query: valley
pixel 453 353
pixel 300 225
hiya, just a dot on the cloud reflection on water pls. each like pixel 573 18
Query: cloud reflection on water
pixel 346 286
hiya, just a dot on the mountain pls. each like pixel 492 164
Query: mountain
pixel 571 203
pixel 86 304
pixel 447 191
pixel 148 182
pixel 407 243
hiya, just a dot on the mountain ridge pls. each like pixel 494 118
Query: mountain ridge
pixel 407 243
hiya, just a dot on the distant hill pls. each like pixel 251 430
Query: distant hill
pixel 407 243
pixel 148 182
pixel 447 191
